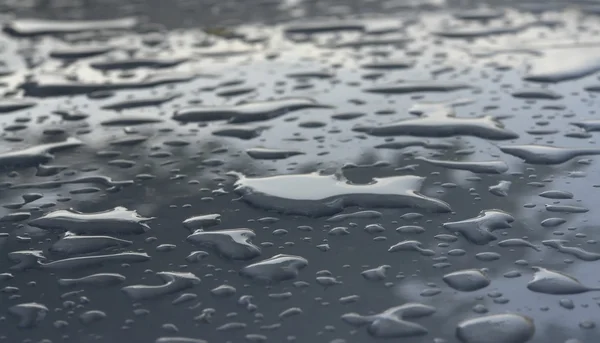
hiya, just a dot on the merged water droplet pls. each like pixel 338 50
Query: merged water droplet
pixel 137 103
pixel 232 244
pixel 439 120
pixel 245 112
pixel 179 340
pixel 536 93
pixel 33 27
pixel 35 155
pixel 418 87
pixel 542 154
pixel 95 280
pixel 8 105
pixel 173 282
pixel 464 33
pixel 275 269
pixel 484 167
pixel 75 245
pixel 132 63
pixel 393 322
pixel 560 246
pixel 119 220
pixel 321 195
pixel 411 246
pixel 368 214
pixel 479 229
pixel 83 262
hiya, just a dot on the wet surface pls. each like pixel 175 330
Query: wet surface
pixel 299 171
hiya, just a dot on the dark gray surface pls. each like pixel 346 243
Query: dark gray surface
pixel 173 170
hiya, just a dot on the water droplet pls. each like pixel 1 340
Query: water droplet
pixel 498 328
pixel 553 282
pixel 271 154
pixel 500 189
pixel 202 222
pixel 517 242
pixel 467 280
